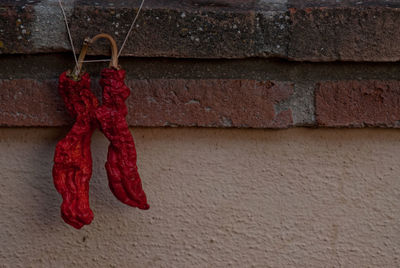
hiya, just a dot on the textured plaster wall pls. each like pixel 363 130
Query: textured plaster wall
pixel 240 198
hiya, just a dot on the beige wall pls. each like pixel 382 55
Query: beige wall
pixel 240 198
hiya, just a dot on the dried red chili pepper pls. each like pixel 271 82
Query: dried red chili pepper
pixel 123 177
pixel 72 160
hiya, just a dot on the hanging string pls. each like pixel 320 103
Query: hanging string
pixel 126 37
pixel 105 60
pixel 130 29
pixel 69 32
pixel 123 44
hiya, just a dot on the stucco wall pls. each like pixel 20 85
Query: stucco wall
pixel 219 198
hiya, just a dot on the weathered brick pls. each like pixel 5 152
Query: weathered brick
pixel 358 103
pixel 15 30
pixel 170 32
pixel 346 3
pixel 209 103
pixel 363 33
pixel 27 102
pixel 160 102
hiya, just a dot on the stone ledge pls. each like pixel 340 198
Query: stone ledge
pixel 297 30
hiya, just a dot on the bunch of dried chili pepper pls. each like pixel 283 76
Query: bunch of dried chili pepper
pixel 73 161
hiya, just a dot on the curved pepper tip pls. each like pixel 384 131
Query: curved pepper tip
pixel 145 206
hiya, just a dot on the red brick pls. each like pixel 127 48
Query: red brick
pixel 27 102
pixel 210 103
pixel 160 102
pixel 358 103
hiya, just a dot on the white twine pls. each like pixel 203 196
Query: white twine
pixel 131 28
pixel 97 60
pixel 69 32
pixel 123 44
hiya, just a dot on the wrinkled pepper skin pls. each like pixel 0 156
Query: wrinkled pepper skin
pixel 72 160
pixel 123 176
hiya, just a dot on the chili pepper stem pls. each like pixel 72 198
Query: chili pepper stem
pixel 76 73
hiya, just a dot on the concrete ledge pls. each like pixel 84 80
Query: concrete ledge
pixel 296 30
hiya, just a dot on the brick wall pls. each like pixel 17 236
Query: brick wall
pixel 257 64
